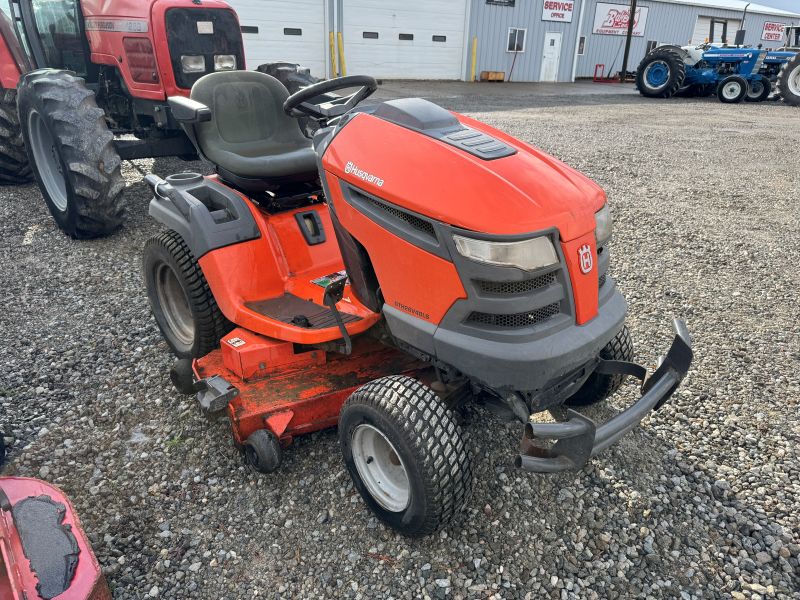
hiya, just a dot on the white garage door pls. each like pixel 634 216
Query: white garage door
pixel 713 29
pixel 284 30
pixel 413 39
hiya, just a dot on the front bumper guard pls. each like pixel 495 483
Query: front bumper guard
pixel 578 438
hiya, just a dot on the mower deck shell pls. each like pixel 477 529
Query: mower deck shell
pixel 306 393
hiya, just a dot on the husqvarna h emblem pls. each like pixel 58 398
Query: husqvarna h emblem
pixel 585 256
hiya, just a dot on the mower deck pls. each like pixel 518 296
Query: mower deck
pixel 289 390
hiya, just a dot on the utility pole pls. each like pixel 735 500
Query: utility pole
pixel 631 19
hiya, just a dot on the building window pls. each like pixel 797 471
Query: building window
pixel 370 35
pixel 651 45
pixel 516 40
pixel 292 31
pixel 439 38
pixel 582 46
pixel 249 29
pixel 408 37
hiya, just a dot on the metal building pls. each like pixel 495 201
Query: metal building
pixel 538 40
pixel 528 40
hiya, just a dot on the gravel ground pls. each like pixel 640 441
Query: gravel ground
pixel 702 501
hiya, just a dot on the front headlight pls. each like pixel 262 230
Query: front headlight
pixel 224 62
pixel 528 255
pixel 602 219
pixel 193 63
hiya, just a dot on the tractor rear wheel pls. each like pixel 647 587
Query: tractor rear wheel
pixel 759 89
pixel 599 387
pixel 183 305
pixel 72 153
pixel 789 81
pixel 406 454
pixel 14 165
pixel 732 89
pixel 661 74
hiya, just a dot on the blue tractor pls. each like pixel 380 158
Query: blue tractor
pixel 733 73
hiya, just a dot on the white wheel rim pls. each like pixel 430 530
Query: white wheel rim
pixel 47 160
pixel 731 90
pixel 380 468
pixel 756 89
pixel 794 81
pixel 174 304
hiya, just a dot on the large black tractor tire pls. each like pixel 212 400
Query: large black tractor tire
pixel 14 166
pixel 599 387
pixel 406 454
pixel 182 303
pixel 72 153
pixel 789 81
pixel 732 89
pixel 759 89
pixel 661 74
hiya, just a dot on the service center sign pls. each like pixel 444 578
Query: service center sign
pixel 773 32
pixel 612 19
pixel 558 10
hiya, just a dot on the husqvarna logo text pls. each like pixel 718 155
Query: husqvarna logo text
pixel 352 169
pixel 585 256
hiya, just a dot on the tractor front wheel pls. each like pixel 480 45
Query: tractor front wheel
pixel 14 165
pixel 789 81
pixel 661 74
pixel 406 454
pixel 759 89
pixel 72 153
pixel 599 387
pixel 182 303
pixel 732 89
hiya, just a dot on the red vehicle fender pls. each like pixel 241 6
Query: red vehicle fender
pixel 21 545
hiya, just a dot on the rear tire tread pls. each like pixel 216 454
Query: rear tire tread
pixel 211 324
pixel 15 167
pixel 86 146
pixel 784 91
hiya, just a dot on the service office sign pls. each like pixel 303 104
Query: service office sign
pixel 612 19
pixel 773 32
pixel 558 10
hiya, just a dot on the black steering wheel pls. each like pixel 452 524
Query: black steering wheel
pixel 306 102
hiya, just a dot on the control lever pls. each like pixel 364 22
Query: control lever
pixel 333 294
pixel 165 191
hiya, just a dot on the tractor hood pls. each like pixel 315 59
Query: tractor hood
pixel 459 171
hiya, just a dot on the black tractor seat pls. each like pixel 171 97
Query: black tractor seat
pixel 236 121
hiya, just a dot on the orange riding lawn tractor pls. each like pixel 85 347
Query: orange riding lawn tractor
pixel 405 262
pixel 84 85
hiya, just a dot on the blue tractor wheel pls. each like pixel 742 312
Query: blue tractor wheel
pixel 661 73
pixel 732 89
pixel 759 90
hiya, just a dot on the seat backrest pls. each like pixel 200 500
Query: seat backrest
pixel 247 116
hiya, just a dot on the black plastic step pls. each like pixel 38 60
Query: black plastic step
pixel 293 310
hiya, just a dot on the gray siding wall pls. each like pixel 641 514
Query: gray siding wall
pixel 491 22
pixel 666 23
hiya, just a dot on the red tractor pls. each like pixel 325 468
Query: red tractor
pixel 84 85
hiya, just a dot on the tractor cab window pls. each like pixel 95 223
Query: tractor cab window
pixel 59 31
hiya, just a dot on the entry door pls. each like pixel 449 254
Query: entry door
pixel 551 56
